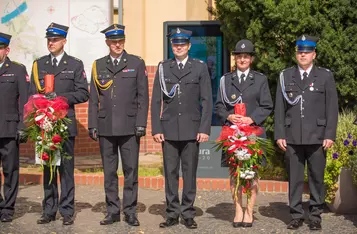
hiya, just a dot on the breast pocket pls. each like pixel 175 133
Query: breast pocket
pixel 292 91
pixel 129 75
pixel 67 76
pixel 317 89
pixel 169 82
pixel 8 84
pixel 7 79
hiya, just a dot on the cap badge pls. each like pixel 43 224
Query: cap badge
pixel 303 37
pixel 243 46
pixel 234 96
pixel 115 27
pixel 178 30
pixel 51 25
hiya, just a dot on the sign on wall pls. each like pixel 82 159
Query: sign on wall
pixel 27 20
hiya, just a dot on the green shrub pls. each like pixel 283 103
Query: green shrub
pixel 342 154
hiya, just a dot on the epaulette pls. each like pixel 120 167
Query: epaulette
pixel 197 60
pixel 41 58
pixel 259 73
pixel 228 73
pixel 165 61
pixel 322 68
pixel 75 58
pixel 18 63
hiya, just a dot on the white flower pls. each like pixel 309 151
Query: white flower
pixel 39 142
pixel 65 127
pixel 246 171
pixel 62 130
pixel 249 177
pixel 242 175
pixel 39 138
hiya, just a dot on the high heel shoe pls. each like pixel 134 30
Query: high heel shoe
pixel 246 225
pixel 237 224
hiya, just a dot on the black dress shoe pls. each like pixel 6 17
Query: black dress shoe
pixel 246 225
pixel 169 222
pixel 295 224
pixel 237 224
pixel 315 225
pixel 67 220
pixel 45 219
pixel 132 220
pixel 110 219
pixel 190 223
pixel 6 218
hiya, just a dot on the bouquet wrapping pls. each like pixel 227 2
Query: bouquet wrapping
pixel 46 123
pixel 244 150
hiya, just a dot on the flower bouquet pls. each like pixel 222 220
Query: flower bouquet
pixel 45 118
pixel 244 150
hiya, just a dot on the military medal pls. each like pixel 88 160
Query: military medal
pixel 234 96
pixel 312 87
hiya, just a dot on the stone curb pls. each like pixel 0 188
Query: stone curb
pixel 158 182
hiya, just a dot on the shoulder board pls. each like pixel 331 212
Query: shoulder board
pixel 41 57
pixel 322 68
pixel 17 63
pixel 197 60
pixel 259 73
pixel 166 61
pixel 287 69
pixel 228 73
pixel 75 58
pixel 138 57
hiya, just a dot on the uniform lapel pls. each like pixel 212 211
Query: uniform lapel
pixel 297 78
pixel 311 78
pixel 235 81
pixel 47 66
pixel 62 65
pixel 122 63
pixel 174 69
pixel 5 66
pixel 110 65
pixel 187 68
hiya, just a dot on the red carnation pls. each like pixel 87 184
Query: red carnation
pixel 260 152
pixel 45 156
pixel 231 159
pixel 235 174
pixel 234 165
pixel 53 147
pixel 255 167
pixel 56 139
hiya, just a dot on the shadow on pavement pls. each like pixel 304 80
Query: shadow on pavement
pixel 24 206
pixel 222 211
pixel 101 207
pixel 160 209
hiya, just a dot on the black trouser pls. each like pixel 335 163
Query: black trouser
pixel 187 153
pixel 9 158
pixel 66 172
pixel 129 152
pixel 315 156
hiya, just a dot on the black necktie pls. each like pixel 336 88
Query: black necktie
pixel 54 62
pixel 241 78
pixel 180 66
pixel 304 75
pixel 116 62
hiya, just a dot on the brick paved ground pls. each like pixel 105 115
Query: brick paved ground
pixel 214 214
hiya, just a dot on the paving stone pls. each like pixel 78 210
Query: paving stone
pixel 215 212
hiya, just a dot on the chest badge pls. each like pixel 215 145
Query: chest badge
pixel 312 87
pixel 233 96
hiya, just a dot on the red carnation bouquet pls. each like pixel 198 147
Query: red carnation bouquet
pixel 244 149
pixel 46 123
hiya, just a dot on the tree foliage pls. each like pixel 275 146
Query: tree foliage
pixel 273 26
